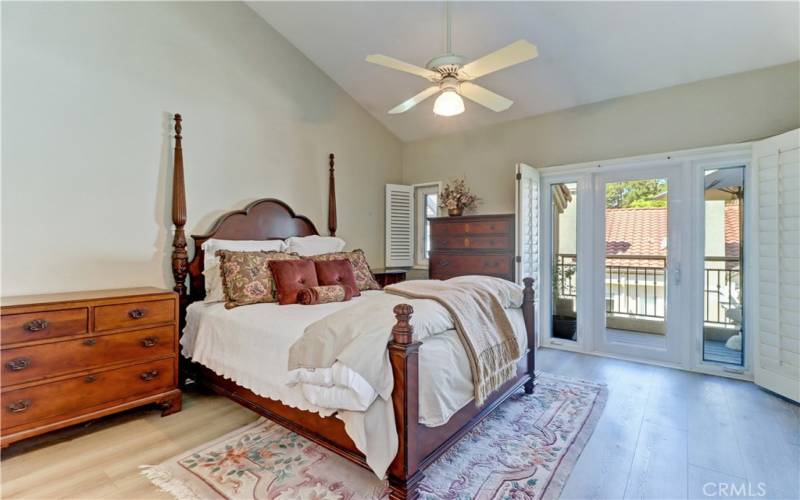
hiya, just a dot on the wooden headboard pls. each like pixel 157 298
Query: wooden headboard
pixel 264 219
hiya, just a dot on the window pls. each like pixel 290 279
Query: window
pixel 426 199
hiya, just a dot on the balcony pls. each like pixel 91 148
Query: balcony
pixel 636 299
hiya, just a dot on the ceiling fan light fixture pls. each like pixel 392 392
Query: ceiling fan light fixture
pixel 449 103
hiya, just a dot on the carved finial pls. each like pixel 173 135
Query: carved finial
pixel 528 291
pixel 402 331
pixel 178 129
pixel 330 161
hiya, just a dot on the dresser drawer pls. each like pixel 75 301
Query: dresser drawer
pixel 30 363
pixel 133 314
pixel 462 228
pixel 43 325
pixel 491 242
pixel 444 266
pixel 71 396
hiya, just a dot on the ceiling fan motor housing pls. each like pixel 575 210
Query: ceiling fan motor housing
pixel 446 65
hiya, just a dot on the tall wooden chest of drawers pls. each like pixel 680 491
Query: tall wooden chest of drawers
pixel 476 244
pixel 72 357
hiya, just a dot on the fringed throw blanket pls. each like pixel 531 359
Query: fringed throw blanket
pixel 357 336
pixel 476 304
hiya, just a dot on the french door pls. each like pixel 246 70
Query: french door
pixel 646 259
pixel 639 220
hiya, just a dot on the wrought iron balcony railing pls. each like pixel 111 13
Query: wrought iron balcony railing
pixel 634 285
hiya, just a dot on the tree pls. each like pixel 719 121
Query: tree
pixel 636 194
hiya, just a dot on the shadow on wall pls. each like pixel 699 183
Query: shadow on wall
pixel 163 207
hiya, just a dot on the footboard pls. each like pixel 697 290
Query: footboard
pixel 419 445
pixel 404 356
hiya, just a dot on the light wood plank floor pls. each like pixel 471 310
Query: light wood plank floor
pixel 664 434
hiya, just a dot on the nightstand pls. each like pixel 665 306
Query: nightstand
pixel 389 276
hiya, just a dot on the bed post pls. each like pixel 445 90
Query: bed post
pixel 331 198
pixel 180 258
pixel 404 476
pixel 530 328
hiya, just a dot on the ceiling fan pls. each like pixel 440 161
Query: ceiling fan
pixel 452 76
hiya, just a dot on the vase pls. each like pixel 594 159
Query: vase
pixel 455 212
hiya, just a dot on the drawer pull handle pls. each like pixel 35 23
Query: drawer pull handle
pixel 149 375
pixel 136 313
pixel 149 341
pixel 90 378
pixel 444 263
pixel 90 342
pixel 18 364
pixel 36 325
pixel 19 406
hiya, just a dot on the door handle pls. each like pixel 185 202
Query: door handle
pixel 677 274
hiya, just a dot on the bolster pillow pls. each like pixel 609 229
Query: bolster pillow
pixel 324 294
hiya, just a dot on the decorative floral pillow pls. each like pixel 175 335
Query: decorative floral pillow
pixel 246 278
pixel 365 280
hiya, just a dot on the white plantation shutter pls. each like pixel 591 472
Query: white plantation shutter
pixel 777 361
pixel 527 206
pixel 399 225
pixel 528 224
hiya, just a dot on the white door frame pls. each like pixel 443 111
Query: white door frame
pixel 584 342
pixel 697 261
pixel 665 349
pixel 693 162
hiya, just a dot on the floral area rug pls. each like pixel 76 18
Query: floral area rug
pixel 525 449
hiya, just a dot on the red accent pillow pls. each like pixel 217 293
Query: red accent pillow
pixel 290 277
pixel 336 272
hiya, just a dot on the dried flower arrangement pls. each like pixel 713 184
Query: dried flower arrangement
pixel 456 197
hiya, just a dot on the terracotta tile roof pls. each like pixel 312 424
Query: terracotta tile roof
pixel 643 231
pixel 636 231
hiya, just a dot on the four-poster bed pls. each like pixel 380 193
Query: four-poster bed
pixel 419 445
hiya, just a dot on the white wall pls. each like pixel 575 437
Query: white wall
pixel 715 230
pixel 730 109
pixel 88 89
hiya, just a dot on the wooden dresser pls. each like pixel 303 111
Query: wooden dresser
pixel 72 357
pixel 475 244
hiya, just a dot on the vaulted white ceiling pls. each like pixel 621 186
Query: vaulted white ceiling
pixel 588 51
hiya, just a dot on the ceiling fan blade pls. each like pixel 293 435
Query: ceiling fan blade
pixel 399 65
pixel 410 103
pixel 517 52
pixel 485 97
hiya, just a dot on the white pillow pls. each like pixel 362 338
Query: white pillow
pixel 211 270
pixel 314 245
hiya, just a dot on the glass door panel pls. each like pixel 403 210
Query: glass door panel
pixel 564 261
pixel 636 222
pixel 636 263
pixel 723 332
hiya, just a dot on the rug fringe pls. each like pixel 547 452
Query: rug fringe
pixel 162 478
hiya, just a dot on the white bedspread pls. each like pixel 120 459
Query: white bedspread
pixel 250 345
